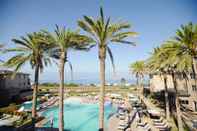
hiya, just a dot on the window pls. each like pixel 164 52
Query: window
pixel 150 76
pixel 184 102
pixel 28 82
pixel 194 88
pixel 192 76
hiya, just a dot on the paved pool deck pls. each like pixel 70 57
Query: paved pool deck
pixel 113 124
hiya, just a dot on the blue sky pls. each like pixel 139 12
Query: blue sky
pixel 154 20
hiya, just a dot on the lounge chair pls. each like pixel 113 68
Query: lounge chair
pixel 158 120
pixel 122 117
pixel 164 129
pixel 141 124
pixel 121 113
pixel 5 116
pixel 5 123
pixel 123 123
pixel 9 121
pixel 147 127
pixel 121 127
pixel 162 126
pixel 159 124
pixel 128 129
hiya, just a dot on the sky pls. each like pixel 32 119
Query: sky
pixel 154 20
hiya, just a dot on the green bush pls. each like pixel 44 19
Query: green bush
pixel 47 84
pixel 72 85
pixel 9 109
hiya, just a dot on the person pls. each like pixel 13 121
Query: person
pixel 138 117
pixel 51 121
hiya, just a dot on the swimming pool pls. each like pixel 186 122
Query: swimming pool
pixel 79 117
pixel 28 105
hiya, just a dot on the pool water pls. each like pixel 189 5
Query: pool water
pixel 28 106
pixel 79 117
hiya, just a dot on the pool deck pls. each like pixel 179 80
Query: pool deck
pixel 42 122
pixel 113 123
pixel 46 129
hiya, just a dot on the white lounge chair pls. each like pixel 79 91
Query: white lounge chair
pixel 158 120
pixel 9 121
pixel 162 126
pixel 6 116
pixel 122 117
pixel 121 127
pixel 147 127
pixel 128 129
pixel 159 124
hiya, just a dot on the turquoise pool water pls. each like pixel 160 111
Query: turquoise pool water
pixel 79 117
pixel 28 106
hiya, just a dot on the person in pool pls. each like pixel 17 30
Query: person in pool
pixel 51 121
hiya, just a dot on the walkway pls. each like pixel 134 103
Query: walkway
pixel 48 129
pixel 113 123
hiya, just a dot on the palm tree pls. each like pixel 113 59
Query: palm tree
pixel 155 66
pixel 174 63
pixel 185 43
pixel 32 49
pixel 138 68
pixel 1 49
pixel 62 42
pixel 104 32
pixel 186 37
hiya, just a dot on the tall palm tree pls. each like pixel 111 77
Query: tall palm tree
pixel 62 42
pixel 138 68
pixel 185 43
pixel 1 49
pixel 175 63
pixel 104 32
pixel 154 67
pixel 186 37
pixel 32 49
pixel 183 64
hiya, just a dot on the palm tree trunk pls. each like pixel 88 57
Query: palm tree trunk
pixel 166 99
pixel 61 92
pixel 138 85
pixel 194 66
pixel 178 110
pixel 179 119
pixel 142 85
pixel 137 82
pixel 189 88
pixel 35 91
pixel 102 89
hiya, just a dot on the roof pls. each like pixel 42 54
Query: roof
pixel 10 72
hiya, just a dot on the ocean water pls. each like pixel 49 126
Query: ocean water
pixel 86 78
pixel 79 117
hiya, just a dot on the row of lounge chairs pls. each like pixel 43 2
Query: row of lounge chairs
pixel 50 102
pixel 144 126
pixel 161 124
pixel 8 120
pixel 124 120
pixel 141 124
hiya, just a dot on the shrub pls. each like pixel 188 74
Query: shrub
pixel 10 109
